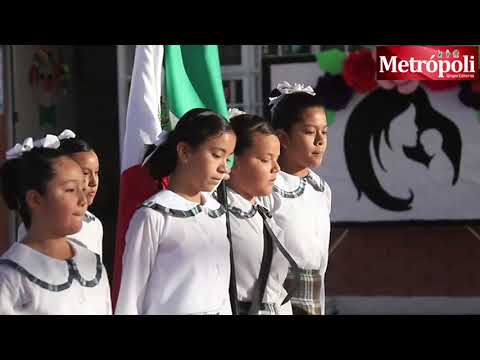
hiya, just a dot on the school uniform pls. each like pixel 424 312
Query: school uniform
pixel 301 208
pixel 32 283
pixel 248 241
pixel 176 259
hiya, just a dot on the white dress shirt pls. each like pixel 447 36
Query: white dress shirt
pixel 176 259
pixel 248 243
pixel 32 283
pixel 301 208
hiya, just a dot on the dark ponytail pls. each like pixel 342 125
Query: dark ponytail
pixel 32 171
pixel 10 183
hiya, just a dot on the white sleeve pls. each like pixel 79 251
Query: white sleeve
pixel 323 270
pixel 324 264
pixel 9 294
pixel 100 238
pixel 22 232
pixel 329 197
pixel 141 243
pixel 108 298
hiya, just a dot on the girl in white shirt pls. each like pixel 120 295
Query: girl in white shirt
pixel 47 273
pixel 176 258
pixel 260 266
pixel 91 233
pixel 301 200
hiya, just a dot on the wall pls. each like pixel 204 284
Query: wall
pixel 27 99
pixel 97 113
pixel 375 269
pixel 90 109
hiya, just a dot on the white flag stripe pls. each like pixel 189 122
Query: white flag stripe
pixel 173 119
pixel 143 104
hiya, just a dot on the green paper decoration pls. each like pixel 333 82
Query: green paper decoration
pixel 331 61
pixel 330 117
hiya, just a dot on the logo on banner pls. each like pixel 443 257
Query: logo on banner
pixel 427 63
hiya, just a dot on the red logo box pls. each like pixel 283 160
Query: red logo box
pixel 427 63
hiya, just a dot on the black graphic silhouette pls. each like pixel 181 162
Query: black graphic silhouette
pixel 371 118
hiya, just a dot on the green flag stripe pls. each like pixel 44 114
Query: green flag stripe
pixel 194 79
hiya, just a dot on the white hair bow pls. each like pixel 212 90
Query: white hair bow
pixel 49 141
pixel 232 112
pixel 17 151
pixel 67 134
pixel 161 138
pixel 285 88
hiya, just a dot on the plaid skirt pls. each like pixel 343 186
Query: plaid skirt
pixel 265 308
pixel 306 299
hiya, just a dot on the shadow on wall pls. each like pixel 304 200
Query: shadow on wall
pixel 97 122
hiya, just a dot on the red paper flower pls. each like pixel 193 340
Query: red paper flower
pixel 440 85
pixel 359 71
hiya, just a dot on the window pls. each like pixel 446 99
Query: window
pixel 242 69
pixel 233 89
pixel 292 50
pixel 288 50
pixel 296 49
pixel 230 55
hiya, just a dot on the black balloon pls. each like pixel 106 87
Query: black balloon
pixel 467 96
pixel 334 91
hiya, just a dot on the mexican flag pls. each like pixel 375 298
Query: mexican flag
pixel 193 79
